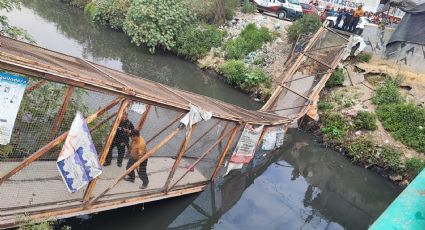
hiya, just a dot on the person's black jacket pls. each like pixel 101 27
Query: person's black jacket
pixel 121 136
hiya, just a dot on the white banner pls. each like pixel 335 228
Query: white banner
pixel 280 136
pixel 12 90
pixel 78 162
pixel 269 140
pixel 247 144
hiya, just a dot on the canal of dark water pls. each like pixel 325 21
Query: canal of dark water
pixel 301 186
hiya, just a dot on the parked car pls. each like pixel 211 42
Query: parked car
pixel 331 21
pixel 284 9
pixel 309 9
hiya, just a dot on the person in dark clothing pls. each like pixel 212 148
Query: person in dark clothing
pixel 121 140
pixel 347 20
pixel 341 14
pixel 137 151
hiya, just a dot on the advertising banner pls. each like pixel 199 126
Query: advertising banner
pixel 78 162
pixel 247 144
pixel 12 90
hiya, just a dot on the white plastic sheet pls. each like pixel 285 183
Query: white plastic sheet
pixel 195 115
pixel 78 162
pixel 137 107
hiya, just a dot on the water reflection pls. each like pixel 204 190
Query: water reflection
pixel 62 28
pixel 302 186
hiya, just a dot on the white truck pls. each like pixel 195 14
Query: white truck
pixel 284 9
pixel 331 21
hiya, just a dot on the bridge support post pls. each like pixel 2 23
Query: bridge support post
pixel 182 151
pixel 108 144
pixel 224 153
pixel 203 155
pixel 142 120
pixel 61 113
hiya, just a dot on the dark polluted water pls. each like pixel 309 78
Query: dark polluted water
pixel 301 186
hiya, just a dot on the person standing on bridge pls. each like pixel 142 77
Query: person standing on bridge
pixel 121 140
pixel 137 151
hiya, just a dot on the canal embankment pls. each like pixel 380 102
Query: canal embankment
pixel 372 112
pixel 248 50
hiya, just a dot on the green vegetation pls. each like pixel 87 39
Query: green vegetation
pixel 390 158
pixel 194 42
pixel 308 24
pixel 336 79
pixel 109 12
pixel 363 57
pixel 388 92
pixel 249 40
pixel 36 115
pixel 156 23
pixel 90 9
pixel 8 30
pixel 248 7
pixel 405 122
pixel 237 74
pixel 414 165
pixel 335 126
pixel 365 120
pixel 362 150
pixel 77 3
pixel 324 105
pixel 213 11
pixel 343 99
pixel 46 225
pixel 259 61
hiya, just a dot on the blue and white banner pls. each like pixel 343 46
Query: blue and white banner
pixel 12 90
pixel 78 162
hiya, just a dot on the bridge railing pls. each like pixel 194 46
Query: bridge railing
pixel 179 158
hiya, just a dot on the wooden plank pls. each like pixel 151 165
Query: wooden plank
pixel 226 149
pixel 142 120
pixel 180 154
pixel 35 86
pixel 203 155
pixel 92 184
pixel 165 128
pixel 61 113
pixel 55 142
pixel 136 165
pixel 66 212
pixel 261 137
pixel 317 60
pixel 290 72
pixel 103 122
pixel 295 92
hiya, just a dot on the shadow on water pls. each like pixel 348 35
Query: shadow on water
pixel 302 186
pixel 66 29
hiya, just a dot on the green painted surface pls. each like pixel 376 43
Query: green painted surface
pixel 407 211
